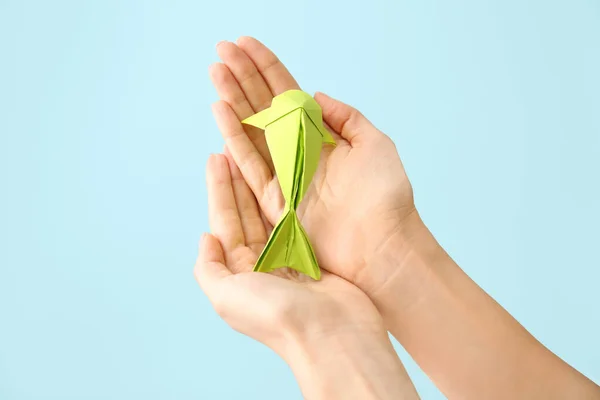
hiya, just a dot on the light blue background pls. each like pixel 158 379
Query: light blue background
pixel 105 129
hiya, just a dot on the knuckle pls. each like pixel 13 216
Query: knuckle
pixel 247 75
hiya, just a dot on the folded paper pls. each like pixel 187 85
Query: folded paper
pixel 295 133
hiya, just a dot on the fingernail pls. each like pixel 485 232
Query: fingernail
pixel 241 39
pixel 220 42
pixel 203 239
pixel 216 157
pixel 209 162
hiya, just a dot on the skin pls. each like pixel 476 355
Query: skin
pixel 326 330
pixel 362 221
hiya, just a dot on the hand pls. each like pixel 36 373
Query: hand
pixel 271 308
pixel 360 197
pixel 361 220
pixel 328 331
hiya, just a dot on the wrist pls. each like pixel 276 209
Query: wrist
pixel 399 270
pixel 349 364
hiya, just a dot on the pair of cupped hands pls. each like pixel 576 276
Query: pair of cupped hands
pixel 360 197
pixel 383 270
pixel 359 205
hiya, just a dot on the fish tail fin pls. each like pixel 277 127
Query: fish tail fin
pixel 288 246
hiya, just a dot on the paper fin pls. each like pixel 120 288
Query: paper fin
pixel 327 138
pixel 260 119
pixel 288 246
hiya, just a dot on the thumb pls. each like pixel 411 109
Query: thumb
pixel 210 269
pixel 346 120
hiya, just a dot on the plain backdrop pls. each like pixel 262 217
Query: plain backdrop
pixel 105 128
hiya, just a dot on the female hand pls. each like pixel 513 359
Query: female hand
pixel 362 222
pixel 360 198
pixel 328 331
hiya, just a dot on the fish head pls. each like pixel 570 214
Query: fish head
pixel 286 103
pixel 291 100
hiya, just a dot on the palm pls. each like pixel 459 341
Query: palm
pixel 349 213
pixel 286 301
pixel 346 202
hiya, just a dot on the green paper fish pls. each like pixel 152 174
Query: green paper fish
pixel 295 133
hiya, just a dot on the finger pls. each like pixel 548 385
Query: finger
pixel 250 80
pixel 251 164
pixel 210 267
pixel 224 219
pixel 276 75
pixel 252 223
pixel 266 223
pixel 229 90
pixel 346 120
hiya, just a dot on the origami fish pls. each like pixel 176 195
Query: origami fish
pixel 295 133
